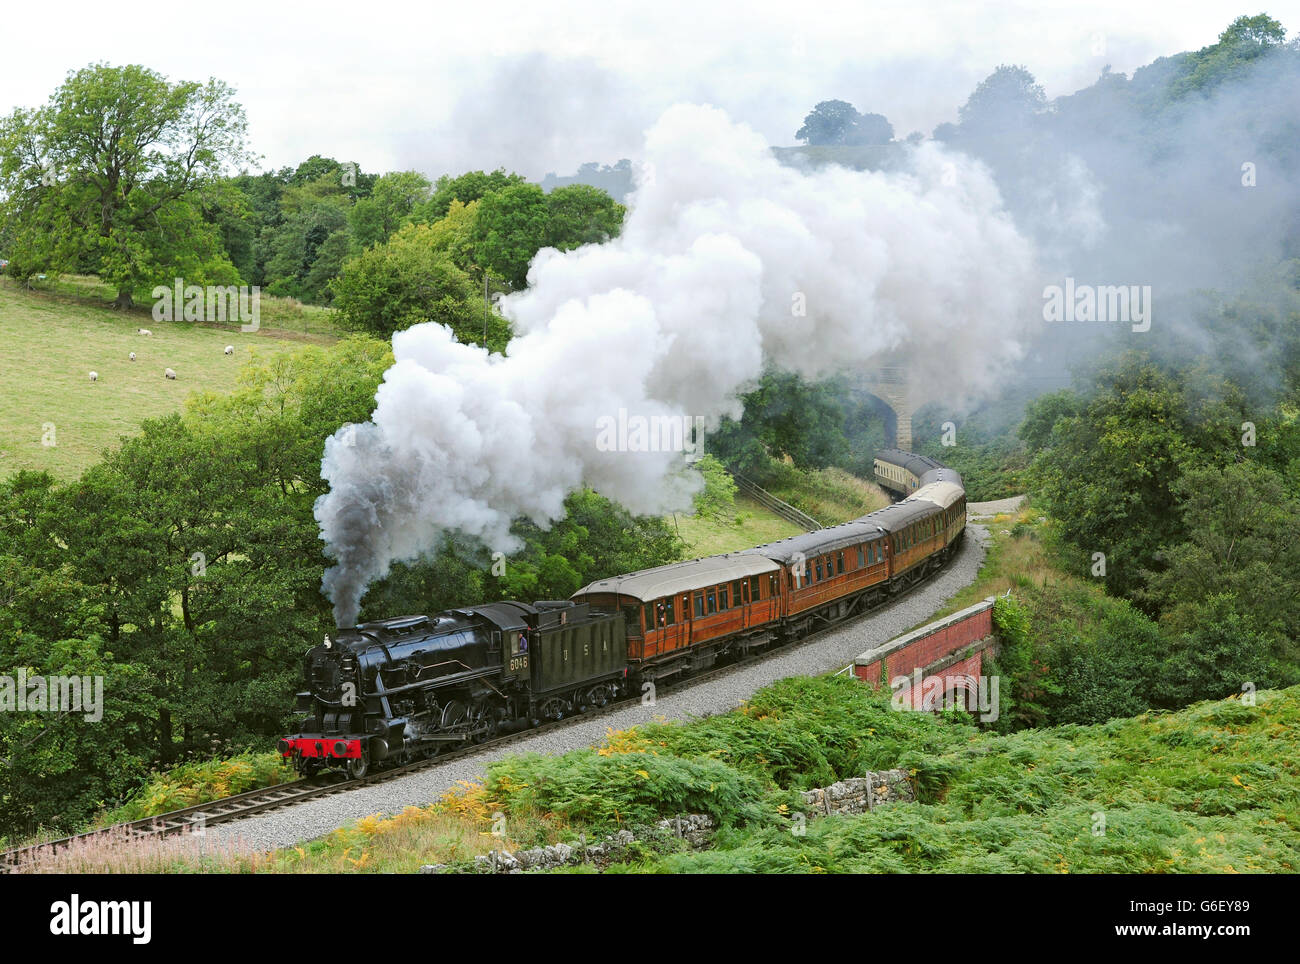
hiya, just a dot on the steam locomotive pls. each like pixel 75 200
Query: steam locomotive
pixel 398 690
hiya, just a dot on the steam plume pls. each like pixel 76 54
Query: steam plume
pixel 722 249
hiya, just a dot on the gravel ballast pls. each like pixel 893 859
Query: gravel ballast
pixel 833 650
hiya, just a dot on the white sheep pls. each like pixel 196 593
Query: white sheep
pixel 132 356
pixel 94 376
pixel 143 331
pixel 230 349
pixel 168 373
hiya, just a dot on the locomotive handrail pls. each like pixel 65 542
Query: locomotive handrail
pixel 470 673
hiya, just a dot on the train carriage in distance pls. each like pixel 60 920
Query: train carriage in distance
pixel 903 473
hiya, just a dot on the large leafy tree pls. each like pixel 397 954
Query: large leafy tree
pixel 510 228
pixel 1004 100
pixel 581 214
pixel 410 280
pixel 834 122
pixel 113 174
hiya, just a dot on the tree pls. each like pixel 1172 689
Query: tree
pixel 408 281
pixel 510 227
pixel 470 186
pixel 1107 472
pixel 113 172
pixel 1241 522
pixel 828 123
pixel 311 214
pixel 717 500
pixel 838 122
pixel 580 214
pixel 1244 40
pixel 785 417
pixel 1006 99
pixel 390 205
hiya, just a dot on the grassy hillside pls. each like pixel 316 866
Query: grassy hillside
pixel 753 526
pixel 1214 788
pixel 51 339
pixel 830 496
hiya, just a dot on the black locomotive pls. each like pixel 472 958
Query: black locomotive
pixel 402 689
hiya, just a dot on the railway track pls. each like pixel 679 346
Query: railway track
pixel 195 818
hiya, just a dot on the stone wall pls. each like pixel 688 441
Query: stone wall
pixel 696 829
pixel 861 794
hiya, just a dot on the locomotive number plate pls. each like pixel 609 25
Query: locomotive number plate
pixel 519 663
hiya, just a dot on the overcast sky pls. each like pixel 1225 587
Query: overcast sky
pixel 543 87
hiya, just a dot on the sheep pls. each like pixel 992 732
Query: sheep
pixel 230 349
pixel 131 356
pixel 168 373
pixel 143 331
pixel 94 376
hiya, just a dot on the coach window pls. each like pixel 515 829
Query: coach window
pixel 839 564
pixel 711 597
pixel 669 618
pixel 820 571
pixel 772 586
pixel 738 592
pixel 699 605
pixel 753 589
pixel 648 616
pixel 723 602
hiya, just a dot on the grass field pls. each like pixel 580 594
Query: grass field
pixel 53 337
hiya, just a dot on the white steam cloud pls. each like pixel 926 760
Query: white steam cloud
pixel 722 249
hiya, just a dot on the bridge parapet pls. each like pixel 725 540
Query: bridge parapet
pixel 929 666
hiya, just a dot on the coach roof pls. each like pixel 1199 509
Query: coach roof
pixel 809 544
pixel 651 584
